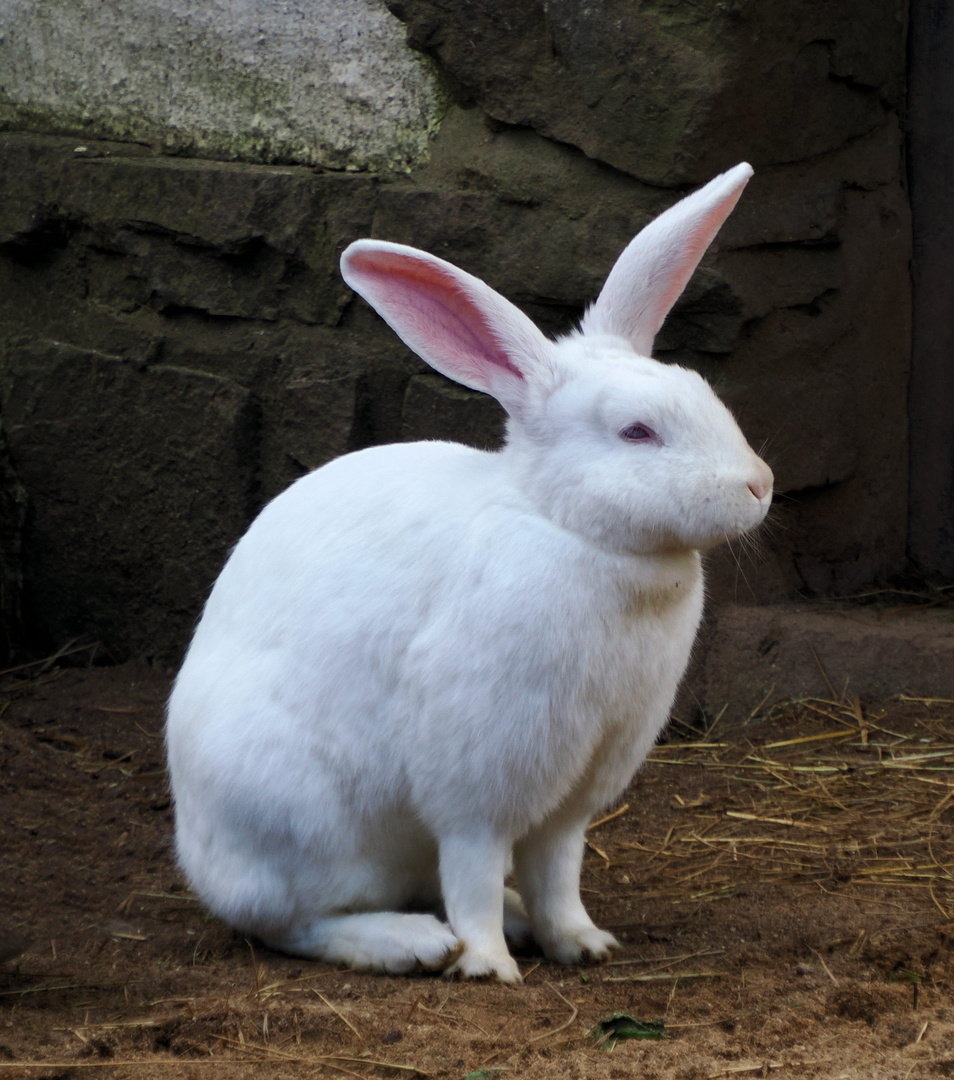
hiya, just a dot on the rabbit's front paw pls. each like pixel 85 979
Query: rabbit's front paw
pixel 581 943
pixel 472 964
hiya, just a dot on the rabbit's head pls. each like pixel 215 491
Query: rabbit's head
pixel 632 454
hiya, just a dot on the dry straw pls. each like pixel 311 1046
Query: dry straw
pixel 855 806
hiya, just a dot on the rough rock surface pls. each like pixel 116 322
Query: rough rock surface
pixel 930 156
pixel 12 520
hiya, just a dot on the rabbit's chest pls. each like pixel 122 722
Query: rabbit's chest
pixel 643 657
pixel 634 671
pixel 643 648
pixel 657 612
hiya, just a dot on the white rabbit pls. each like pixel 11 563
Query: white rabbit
pixel 425 665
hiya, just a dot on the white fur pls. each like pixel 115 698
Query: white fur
pixel 424 664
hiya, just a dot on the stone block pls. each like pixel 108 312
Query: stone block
pixel 140 479
pixel 332 84
pixel 758 655
pixel 312 421
pixel 435 408
pixel 673 92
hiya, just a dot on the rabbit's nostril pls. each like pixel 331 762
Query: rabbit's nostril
pixel 761 483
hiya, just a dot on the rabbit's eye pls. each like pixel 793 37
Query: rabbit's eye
pixel 638 433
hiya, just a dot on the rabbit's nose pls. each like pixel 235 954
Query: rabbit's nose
pixel 761 481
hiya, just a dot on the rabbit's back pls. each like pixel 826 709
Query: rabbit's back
pixel 303 635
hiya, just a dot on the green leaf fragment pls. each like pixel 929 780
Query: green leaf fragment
pixel 608 1033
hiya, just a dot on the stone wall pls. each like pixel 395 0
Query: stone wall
pixel 176 344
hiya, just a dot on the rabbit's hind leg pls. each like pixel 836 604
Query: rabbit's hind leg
pixel 394 942
pixel 547 866
pixel 516 922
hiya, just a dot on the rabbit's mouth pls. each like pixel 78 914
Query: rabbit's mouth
pixel 709 534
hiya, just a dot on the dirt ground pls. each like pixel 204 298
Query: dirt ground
pixel 784 889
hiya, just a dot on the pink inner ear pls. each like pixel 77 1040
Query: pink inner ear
pixel 443 319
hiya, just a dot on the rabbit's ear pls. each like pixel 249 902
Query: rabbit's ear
pixel 454 321
pixel 650 275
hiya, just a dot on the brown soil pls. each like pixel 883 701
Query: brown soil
pixel 787 910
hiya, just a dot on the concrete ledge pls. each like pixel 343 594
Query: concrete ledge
pixel 781 651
